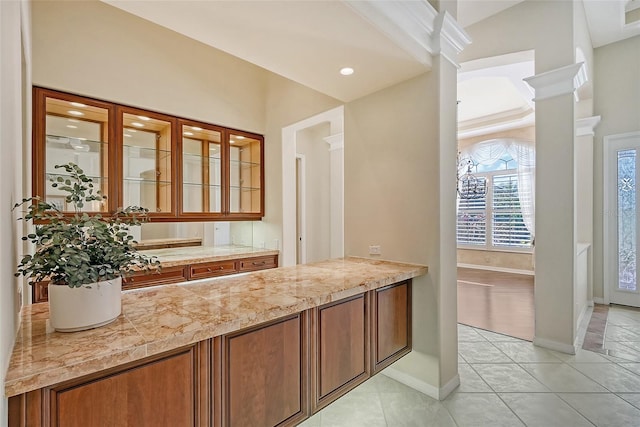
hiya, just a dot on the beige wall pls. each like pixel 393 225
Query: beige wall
pixel 391 168
pixel 617 101
pixel 14 128
pixel 509 260
pixel 125 59
pixel 395 143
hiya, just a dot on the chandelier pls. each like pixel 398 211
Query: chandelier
pixel 469 186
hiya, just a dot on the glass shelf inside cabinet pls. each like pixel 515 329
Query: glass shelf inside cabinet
pixel 136 152
pixel 75 145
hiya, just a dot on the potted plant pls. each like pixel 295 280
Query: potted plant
pixel 84 257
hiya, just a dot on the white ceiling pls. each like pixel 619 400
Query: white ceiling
pixel 309 41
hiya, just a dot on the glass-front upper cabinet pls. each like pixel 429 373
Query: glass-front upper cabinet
pixel 246 193
pixel 203 162
pixel 147 161
pixel 69 128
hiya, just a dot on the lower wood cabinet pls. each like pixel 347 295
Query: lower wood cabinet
pixel 274 374
pixel 340 351
pixel 161 391
pixel 264 374
pixel 391 324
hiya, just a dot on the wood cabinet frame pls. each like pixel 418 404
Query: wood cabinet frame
pixel 39 137
pixel 114 166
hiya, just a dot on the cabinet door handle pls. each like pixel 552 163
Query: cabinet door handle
pixel 259 263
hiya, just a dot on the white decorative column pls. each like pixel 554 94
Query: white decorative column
pixel 556 233
pixel 336 186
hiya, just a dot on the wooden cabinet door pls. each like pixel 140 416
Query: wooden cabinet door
pixel 341 348
pixel 264 374
pixel 162 392
pixel 391 324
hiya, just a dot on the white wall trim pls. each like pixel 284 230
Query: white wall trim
pixel 598 300
pixel 409 24
pixel 586 126
pixel 336 142
pixel 561 81
pixel 554 345
pixel 302 189
pixel 499 269
pixel 448 38
pixel 423 387
pixel 335 117
pixel 416 27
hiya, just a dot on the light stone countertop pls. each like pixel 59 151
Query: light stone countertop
pixel 163 318
pixel 170 257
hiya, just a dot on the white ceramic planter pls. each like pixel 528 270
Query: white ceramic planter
pixel 86 307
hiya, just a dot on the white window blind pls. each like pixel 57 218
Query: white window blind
pixel 494 221
pixel 508 228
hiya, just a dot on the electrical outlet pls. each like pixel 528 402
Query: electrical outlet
pixel 374 250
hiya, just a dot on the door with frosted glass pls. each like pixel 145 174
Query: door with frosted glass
pixel 622 179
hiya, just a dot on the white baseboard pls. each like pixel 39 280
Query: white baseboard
pixel 590 303
pixel 581 316
pixel 598 300
pixel 554 345
pixel 499 269
pixel 423 387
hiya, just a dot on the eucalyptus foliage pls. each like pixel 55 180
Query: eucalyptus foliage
pixel 78 248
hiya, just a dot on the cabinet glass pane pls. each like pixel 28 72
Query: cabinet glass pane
pixel 146 157
pixel 76 132
pixel 244 174
pixel 201 170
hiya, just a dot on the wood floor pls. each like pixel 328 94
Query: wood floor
pixel 496 301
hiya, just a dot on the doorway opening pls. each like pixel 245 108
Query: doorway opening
pixel 496 195
pixel 313 174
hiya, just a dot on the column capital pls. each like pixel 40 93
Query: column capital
pixel 561 81
pixel 586 126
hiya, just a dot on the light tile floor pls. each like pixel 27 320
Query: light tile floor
pixel 509 382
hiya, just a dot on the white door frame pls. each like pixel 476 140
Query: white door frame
pixel 335 118
pixel 612 143
pixel 302 208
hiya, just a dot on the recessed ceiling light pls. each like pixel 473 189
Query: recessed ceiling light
pixel 188 133
pixel 73 120
pixel 196 128
pixel 78 104
pixel 144 118
pixel 72 127
pixel 232 141
pixel 127 135
pixel 132 130
pixel 75 113
pixel 239 137
pixel 82 139
pixel 138 125
pixel 346 71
